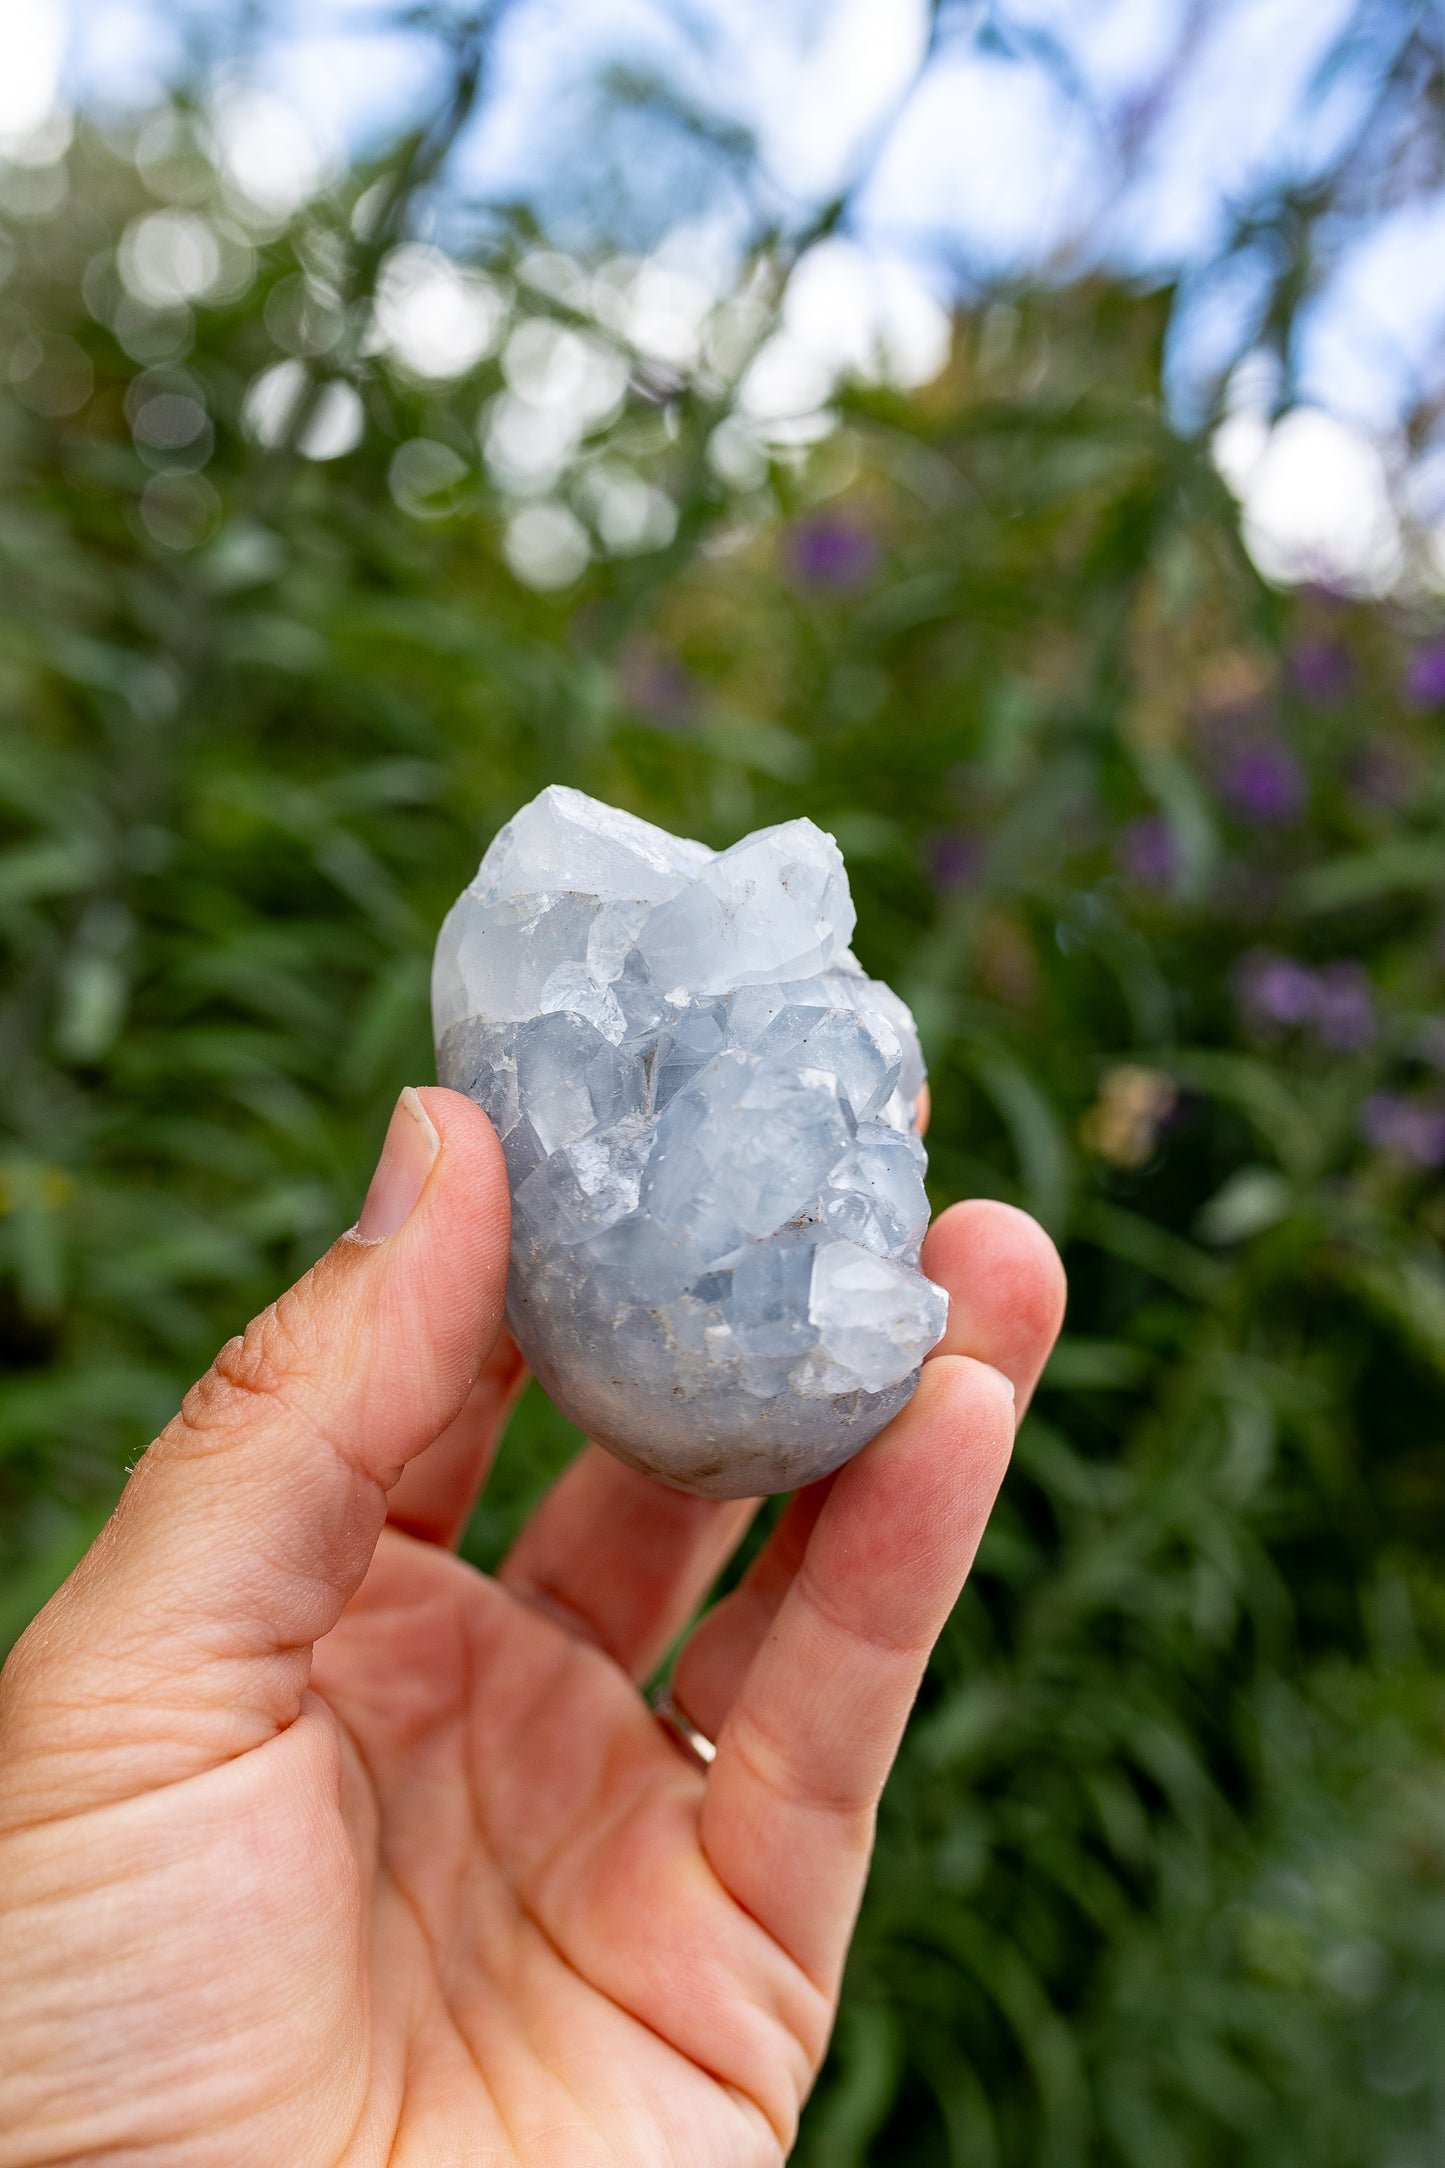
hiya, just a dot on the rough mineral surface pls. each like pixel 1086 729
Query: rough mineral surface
pixel 708 1114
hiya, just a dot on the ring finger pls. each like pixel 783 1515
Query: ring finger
pixel 1006 1298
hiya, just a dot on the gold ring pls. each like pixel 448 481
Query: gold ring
pixel 694 1743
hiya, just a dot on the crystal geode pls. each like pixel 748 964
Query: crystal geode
pixel 709 1120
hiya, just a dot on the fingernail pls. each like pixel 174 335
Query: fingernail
pixel 407 1158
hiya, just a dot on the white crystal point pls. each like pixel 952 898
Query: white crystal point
pixel 866 1309
pixel 567 882
pixel 776 906
pixel 566 840
pixel 708 1113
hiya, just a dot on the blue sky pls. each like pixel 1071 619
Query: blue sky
pixel 993 157
pixel 1018 148
pixel 1005 156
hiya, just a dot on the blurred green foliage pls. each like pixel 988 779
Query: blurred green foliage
pixel 1156 852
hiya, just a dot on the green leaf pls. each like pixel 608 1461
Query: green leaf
pixel 1154 1248
pixel 1044 1159
pixel 1095 1366
pixel 1253 1199
pixel 1404 867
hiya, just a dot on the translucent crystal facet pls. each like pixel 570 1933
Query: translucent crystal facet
pixel 708 1113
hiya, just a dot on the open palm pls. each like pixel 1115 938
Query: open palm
pixel 317 1846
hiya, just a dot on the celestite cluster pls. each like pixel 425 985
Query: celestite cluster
pixel 708 1114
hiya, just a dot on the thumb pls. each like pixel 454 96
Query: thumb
pixel 184 1636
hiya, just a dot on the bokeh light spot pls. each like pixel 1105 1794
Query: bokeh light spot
pixel 268 155
pixel 179 510
pixel 630 515
pixel 51 374
pixel 546 546
pixel 280 404
pixel 435 319
pixel 426 478
pixel 169 256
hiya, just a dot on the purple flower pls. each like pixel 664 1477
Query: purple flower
pixel 1265 784
pixel 1424 685
pixel 1411 1129
pixel 829 550
pixel 1148 853
pixel 1336 1004
pixel 1344 1008
pixel 955 857
pixel 1426 1136
pixel 1322 669
pixel 1275 990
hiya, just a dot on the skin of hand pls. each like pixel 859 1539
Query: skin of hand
pixel 318 1846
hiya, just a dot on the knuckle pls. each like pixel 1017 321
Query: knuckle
pixel 888 1632
pixel 810 1782
pixel 264 1363
pixel 263 1359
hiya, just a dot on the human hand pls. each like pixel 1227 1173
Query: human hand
pixel 319 1847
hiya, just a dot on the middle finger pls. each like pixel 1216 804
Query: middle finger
pixel 622 1558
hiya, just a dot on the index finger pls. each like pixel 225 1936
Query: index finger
pixel 436 1492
